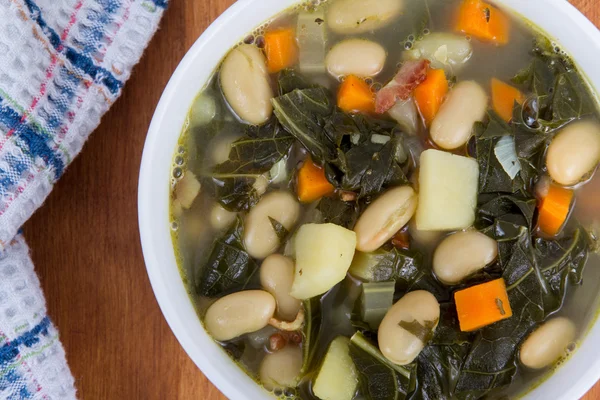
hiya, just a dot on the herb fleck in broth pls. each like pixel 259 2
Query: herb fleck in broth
pixel 320 159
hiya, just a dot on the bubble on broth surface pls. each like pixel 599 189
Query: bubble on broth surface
pixel 249 39
pixel 177 173
pixel 174 226
pixel 408 45
pixel 376 87
pixel 260 41
pixel 179 160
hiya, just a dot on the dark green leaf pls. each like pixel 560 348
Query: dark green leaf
pixel 448 331
pixel 334 210
pixel 249 158
pixel 501 205
pixel 491 363
pixel 496 128
pixel 379 379
pixel 423 332
pixel 559 92
pixel 571 98
pixel 288 80
pixel 310 331
pixel 303 114
pixel 562 261
pixel 368 167
pixel 228 267
pixel 279 229
pixel 438 369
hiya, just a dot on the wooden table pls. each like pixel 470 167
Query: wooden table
pixel 86 247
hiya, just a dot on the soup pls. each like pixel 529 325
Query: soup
pixel 389 199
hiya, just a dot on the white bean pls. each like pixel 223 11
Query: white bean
pixel 359 57
pixel 445 51
pixel 548 343
pixel 260 239
pixel 398 344
pixel 239 313
pixel 187 189
pixel 462 254
pixel 221 147
pixel 358 16
pixel 281 369
pixel 245 84
pixel 385 217
pixel 221 218
pixel 453 125
pixel 574 152
pixel 277 277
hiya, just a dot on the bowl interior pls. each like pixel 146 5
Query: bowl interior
pixel 558 18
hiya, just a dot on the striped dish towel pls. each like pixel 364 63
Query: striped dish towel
pixel 63 63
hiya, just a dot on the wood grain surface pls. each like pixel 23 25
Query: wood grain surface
pixel 86 247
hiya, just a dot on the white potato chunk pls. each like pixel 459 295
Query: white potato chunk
pixel 324 253
pixel 448 191
pixel 337 378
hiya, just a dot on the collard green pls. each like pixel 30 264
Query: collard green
pixel 379 379
pixel 251 156
pixel 228 266
pixel 335 211
pixel 303 113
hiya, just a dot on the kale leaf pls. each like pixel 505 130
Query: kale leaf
pixel 228 267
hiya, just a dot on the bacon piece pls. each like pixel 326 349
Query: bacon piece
pixel 401 87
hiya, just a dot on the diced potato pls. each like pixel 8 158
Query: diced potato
pixel 187 189
pixel 324 253
pixel 337 378
pixel 448 191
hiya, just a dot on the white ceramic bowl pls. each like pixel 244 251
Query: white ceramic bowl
pixel 557 17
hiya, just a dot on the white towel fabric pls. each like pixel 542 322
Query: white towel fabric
pixel 63 63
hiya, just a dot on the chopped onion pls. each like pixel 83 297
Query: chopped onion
pixel 279 172
pixel 406 115
pixel 380 139
pixel 506 154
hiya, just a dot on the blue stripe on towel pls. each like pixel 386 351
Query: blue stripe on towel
pixel 80 61
pixel 10 351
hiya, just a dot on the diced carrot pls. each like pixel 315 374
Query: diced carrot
pixel 504 97
pixel 482 305
pixel 281 49
pixel 483 21
pixel 312 183
pixel 355 96
pixel 430 94
pixel 554 209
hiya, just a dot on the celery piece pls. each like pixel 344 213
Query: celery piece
pixel 312 39
pixel 376 300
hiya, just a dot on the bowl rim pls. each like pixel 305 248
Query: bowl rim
pixel 221 375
